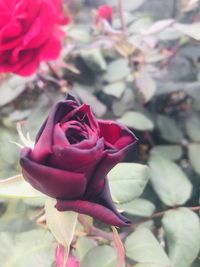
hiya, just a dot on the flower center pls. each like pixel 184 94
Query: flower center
pixel 75 132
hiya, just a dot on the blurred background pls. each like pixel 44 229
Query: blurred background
pixel 141 67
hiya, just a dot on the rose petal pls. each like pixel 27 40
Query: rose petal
pixel 50 181
pixel 116 134
pixel 97 210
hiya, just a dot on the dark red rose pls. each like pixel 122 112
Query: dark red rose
pixel 105 12
pixel 29 34
pixel 72 155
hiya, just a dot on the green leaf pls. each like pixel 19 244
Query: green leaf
pixel 33 248
pixel 12 88
pixel 17 187
pixel 117 70
pixel 171 152
pixel 142 247
pixel 136 121
pixel 94 59
pixel 83 245
pixel 169 129
pixel 146 84
pixel 193 127
pixel 101 256
pixel 182 231
pixel 191 30
pixel 61 224
pixel 138 207
pixel 194 152
pixel 169 181
pixel 128 5
pixel 147 265
pixel 115 89
pixel 127 181
pixel 79 33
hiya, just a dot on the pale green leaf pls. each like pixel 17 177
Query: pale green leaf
pixel 171 152
pixel 193 127
pixel 169 181
pixel 115 89
pixel 83 245
pixel 12 88
pixel 191 30
pixel 33 248
pixel 169 129
pixel 146 84
pixel 94 59
pixel 127 4
pixel 182 231
pixel 127 181
pixel 136 121
pixel 117 70
pixel 142 247
pixel 148 265
pixel 61 224
pixel 17 187
pixel 194 153
pixel 101 256
pixel 138 207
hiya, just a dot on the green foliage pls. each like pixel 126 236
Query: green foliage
pixel 145 76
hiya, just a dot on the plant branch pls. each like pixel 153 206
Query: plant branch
pixel 121 15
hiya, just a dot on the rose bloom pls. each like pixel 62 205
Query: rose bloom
pixel 29 34
pixel 72 155
pixel 105 12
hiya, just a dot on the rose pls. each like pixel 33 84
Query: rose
pixel 105 12
pixel 29 34
pixel 72 261
pixel 72 155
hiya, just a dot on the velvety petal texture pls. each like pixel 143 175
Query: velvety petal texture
pixel 29 33
pixel 72 156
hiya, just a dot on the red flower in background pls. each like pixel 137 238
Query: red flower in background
pixel 29 34
pixel 105 12
pixel 72 155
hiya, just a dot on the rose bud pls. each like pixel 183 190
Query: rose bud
pixel 29 34
pixel 72 155
pixel 105 12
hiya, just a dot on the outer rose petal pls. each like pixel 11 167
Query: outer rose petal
pixel 101 208
pixel 50 181
pixel 44 140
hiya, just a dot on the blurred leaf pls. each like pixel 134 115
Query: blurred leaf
pixel 194 156
pixel 61 224
pixel 128 5
pixel 192 30
pixel 140 25
pixel 83 93
pixel 115 89
pixel 94 59
pixel 148 265
pixel 9 152
pixel 136 120
pixel 102 256
pixel 17 187
pixel 79 34
pixel 193 127
pixel 127 181
pixel 138 207
pixel 146 84
pixel 169 129
pixel 182 231
pixel 83 245
pixel 117 70
pixel 169 181
pixel 171 152
pixel 158 26
pixel 12 88
pixel 142 247
pixel 169 34
pixel 33 248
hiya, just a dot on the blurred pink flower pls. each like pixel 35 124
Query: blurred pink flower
pixel 105 12
pixel 59 258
